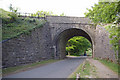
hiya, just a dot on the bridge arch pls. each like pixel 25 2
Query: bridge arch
pixel 63 36
pixel 51 39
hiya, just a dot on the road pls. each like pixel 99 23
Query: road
pixel 60 69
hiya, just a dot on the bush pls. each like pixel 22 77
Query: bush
pixel 10 25
pixel 13 17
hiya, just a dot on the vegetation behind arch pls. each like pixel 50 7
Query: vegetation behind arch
pixel 77 46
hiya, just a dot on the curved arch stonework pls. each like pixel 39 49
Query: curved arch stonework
pixel 49 41
pixel 99 36
pixel 64 34
pixel 65 29
pixel 84 27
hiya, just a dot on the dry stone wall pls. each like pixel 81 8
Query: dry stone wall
pixel 27 49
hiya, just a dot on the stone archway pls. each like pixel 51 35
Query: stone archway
pixel 64 36
pixel 50 40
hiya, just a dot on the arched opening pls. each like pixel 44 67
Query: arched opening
pixel 78 46
pixel 63 37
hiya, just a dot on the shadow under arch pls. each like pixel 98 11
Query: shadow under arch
pixel 61 39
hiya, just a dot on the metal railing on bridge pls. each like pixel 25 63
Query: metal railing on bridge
pixel 31 15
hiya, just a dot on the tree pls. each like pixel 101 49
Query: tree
pixel 46 13
pixel 13 15
pixel 104 12
pixel 77 45
pixel 10 7
pixel 114 31
pixel 107 13
pixel 62 14
pixel 13 9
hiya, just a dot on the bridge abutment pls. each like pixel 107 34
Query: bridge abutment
pixel 49 41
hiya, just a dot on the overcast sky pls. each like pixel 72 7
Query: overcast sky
pixel 68 7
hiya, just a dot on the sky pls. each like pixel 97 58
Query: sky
pixel 68 7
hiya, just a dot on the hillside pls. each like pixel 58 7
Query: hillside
pixel 13 26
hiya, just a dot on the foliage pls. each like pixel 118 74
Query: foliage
pixel 13 15
pixel 89 52
pixel 43 13
pixel 7 17
pixel 46 13
pixel 14 27
pixel 4 14
pixel 104 12
pixel 62 14
pixel 114 31
pixel 77 45
pixel 13 9
pixel 107 13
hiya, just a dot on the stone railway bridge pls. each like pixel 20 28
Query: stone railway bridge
pixel 49 41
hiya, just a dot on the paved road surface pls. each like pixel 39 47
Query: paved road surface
pixel 60 69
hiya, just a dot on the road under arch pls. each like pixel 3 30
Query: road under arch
pixel 64 36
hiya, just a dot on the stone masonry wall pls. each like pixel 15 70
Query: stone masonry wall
pixel 68 19
pixel 40 43
pixel 100 37
pixel 103 49
pixel 27 48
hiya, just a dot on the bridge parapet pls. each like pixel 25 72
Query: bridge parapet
pixel 67 19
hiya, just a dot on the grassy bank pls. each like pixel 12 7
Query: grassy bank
pixel 111 65
pixel 85 70
pixel 13 26
pixel 11 70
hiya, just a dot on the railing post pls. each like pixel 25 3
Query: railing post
pixel 25 14
pixel 38 15
pixel 19 14
pixel 31 15
pixel 44 16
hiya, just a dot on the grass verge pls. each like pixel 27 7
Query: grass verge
pixel 85 70
pixel 111 65
pixel 16 69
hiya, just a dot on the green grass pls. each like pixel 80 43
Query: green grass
pixel 25 67
pixel 86 69
pixel 14 29
pixel 4 14
pixel 113 66
pixel 13 26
